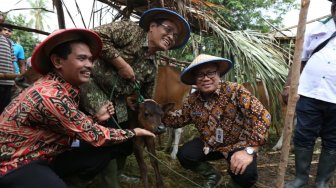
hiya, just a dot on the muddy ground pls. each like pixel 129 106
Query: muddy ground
pixel 176 177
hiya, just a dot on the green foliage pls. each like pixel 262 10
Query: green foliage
pixel 26 39
pixel 251 14
pixel 39 15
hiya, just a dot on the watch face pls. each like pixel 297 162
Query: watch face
pixel 249 150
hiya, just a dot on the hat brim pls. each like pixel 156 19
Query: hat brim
pixel 162 13
pixel 189 77
pixel 41 55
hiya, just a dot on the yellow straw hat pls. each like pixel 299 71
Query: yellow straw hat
pixel 188 76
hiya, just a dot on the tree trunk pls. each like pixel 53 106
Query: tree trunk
pixel 292 93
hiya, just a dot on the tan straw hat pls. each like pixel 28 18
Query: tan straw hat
pixel 41 55
pixel 188 75
pixel 161 13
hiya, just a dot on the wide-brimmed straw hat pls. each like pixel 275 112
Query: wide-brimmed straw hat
pixel 161 13
pixel 41 55
pixel 188 75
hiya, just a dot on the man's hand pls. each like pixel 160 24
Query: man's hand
pixel 239 161
pixel 126 72
pixel 143 132
pixel 105 112
pixel 285 94
pixel 124 69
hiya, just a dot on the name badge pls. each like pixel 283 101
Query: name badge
pixel 219 135
pixel 75 143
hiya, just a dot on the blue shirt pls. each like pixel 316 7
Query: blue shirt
pixel 19 55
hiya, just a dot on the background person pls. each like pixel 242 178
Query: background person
pixel 19 63
pixel 232 124
pixel 6 67
pixel 316 107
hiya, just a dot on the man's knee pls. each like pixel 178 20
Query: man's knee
pixel 247 179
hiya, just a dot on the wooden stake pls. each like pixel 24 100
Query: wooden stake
pixel 292 93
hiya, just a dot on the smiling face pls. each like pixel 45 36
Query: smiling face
pixel 77 66
pixel 207 78
pixel 162 35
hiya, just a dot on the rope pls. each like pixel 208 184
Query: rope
pixel 112 120
pixel 141 99
pixel 166 165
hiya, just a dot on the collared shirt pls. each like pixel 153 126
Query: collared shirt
pixel 242 118
pixel 44 120
pixel 127 40
pixel 318 78
pixel 6 60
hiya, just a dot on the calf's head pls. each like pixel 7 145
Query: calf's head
pixel 150 114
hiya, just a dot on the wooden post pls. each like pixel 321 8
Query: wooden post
pixel 292 93
pixel 60 14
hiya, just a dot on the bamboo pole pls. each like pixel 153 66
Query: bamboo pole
pixel 292 93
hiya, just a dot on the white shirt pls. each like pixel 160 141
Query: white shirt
pixel 318 78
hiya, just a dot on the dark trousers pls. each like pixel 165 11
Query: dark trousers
pixel 87 161
pixel 5 93
pixel 34 175
pixel 315 118
pixel 191 154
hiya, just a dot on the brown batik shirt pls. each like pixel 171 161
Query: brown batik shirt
pixel 128 40
pixel 232 108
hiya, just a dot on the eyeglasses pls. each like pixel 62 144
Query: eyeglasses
pixel 169 31
pixel 210 74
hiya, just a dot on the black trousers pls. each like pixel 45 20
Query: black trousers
pixel 191 154
pixel 34 175
pixel 87 161
pixel 5 93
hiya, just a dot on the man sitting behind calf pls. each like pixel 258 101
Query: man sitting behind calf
pixel 232 123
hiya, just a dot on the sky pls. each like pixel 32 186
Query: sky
pixel 317 8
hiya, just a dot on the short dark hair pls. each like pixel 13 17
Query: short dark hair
pixel 158 21
pixel 64 49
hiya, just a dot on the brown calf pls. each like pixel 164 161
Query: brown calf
pixel 170 89
pixel 147 115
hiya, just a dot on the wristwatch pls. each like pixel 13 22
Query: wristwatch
pixel 250 150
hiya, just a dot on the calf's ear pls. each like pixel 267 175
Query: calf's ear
pixel 132 103
pixel 167 107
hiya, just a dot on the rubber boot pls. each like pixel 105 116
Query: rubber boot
pixel 303 158
pixel 121 161
pixel 109 175
pixel 213 178
pixel 326 168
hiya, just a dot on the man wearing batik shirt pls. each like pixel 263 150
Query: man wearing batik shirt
pixel 232 124
pixel 44 120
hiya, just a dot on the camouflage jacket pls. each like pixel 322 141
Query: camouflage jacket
pixel 128 40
